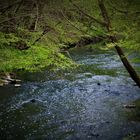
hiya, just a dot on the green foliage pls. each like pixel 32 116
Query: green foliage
pixel 7 39
pixel 35 58
pixel 67 24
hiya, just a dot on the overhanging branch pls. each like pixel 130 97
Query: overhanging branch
pixel 87 15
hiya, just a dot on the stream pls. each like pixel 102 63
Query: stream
pixel 84 104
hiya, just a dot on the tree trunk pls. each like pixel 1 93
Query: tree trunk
pixel 105 15
pixel 128 66
pixel 113 39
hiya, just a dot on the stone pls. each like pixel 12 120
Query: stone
pixel 98 84
pixel 32 100
pixel 17 85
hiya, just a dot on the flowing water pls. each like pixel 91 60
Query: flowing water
pixel 83 104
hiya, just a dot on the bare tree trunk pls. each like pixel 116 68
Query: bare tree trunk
pixel 37 16
pixel 34 25
pixel 120 52
pixel 105 15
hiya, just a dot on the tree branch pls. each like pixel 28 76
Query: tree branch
pixel 87 15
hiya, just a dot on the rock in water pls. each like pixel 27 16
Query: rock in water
pixel 17 85
pixel 98 84
pixel 32 100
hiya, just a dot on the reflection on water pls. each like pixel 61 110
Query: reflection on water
pixel 79 105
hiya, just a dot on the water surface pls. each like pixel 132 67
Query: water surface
pixel 83 104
